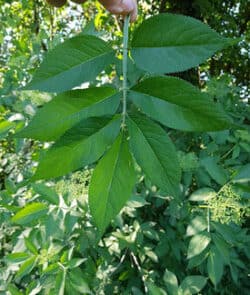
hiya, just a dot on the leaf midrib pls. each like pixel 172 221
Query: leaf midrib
pixel 140 131
pixel 112 180
pixel 194 112
pixel 71 116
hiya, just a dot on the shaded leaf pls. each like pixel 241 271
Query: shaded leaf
pixel 243 174
pixel 81 145
pixel 171 282
pixel 154 290
pixel 68 109
pixel 193 284
pixel 111 184
pixel 169 43
pixel 215 266
pixel 46 192
pixel 155 153
pixel 71 63
pixel 78 282
pixel 178 104
pixel 214 170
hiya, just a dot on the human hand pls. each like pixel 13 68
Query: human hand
pixel 121 7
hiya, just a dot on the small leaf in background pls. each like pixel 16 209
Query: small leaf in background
pixel 155 153
pixel 59 283
pixel 30 246
pixel 75 262
pixel 46 193
pixel 198 224
pixel 171 282
pixel 197 244
pixel 243 174
pixel 77 281
pixel 223 247
pixel 177 104
pixel 13 290
pixel 69 108
pixel 169 43
pixel 216 172
pixel 5 126
pixel 198 259
pixel 193 284
pixel 26 267
pixel 17 257
pixel 31 212
pixel 202 195
pixel 71 63
pixel 81 145
pixel 215 266
pixel 112 183
pixel 137 202
pixel 154 290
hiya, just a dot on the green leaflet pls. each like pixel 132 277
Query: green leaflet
pixel 243 174
pixel 68 109
pixel 17 257
pixel 71 63
pixel 169 43
pixel 26 267
pixel 178 104
pixel 155 153
pixel 171 282
pixel 215 266
pixel 112 183
pixel 81 145
pixel 217 173
pixel 193 284
pixel 29 213
pixel 198 243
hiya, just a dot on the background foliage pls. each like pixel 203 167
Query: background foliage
pixel 48 242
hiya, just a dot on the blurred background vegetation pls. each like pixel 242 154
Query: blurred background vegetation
pixel 57 249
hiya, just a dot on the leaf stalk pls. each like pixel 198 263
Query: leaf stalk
pixel 124 69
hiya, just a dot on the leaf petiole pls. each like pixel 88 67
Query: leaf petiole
pixel 124 69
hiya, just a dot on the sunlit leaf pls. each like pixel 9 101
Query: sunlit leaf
pixel 197 244
pixel 31 212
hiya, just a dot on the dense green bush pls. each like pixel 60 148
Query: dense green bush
pixel 189 236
